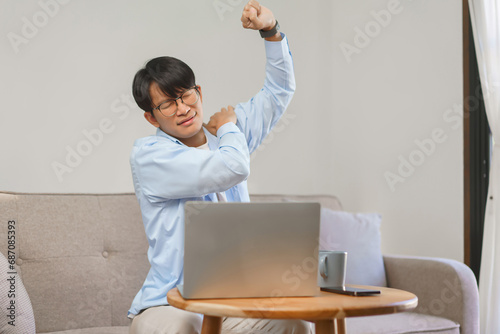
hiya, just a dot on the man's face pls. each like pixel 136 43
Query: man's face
pixel 187 121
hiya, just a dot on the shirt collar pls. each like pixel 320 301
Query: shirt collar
pixel 211 139
pixel 161 133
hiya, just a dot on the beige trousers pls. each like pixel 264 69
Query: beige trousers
pixel 170 320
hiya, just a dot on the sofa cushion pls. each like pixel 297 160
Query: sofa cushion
pixel 95 330
pixel 399 323
pixel 358 235
pixel 82 258
pixel 407 322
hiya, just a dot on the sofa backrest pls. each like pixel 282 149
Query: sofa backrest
pixel 326 201
pixel 83 257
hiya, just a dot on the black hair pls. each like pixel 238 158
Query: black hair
pixel 171 74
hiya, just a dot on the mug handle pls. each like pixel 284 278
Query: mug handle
pixel 323 267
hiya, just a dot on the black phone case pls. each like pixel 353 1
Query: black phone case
pixel 351 291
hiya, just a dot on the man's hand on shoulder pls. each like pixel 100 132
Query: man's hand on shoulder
pixel 257 17
pixel 220 118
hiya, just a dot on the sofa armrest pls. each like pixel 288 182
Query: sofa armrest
pixel 445 288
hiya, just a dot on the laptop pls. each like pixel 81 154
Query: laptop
pixel 239 250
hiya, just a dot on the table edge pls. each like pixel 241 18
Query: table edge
pixel 222 310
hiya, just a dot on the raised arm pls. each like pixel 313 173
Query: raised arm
pixel 259 115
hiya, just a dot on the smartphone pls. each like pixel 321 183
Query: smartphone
pixel 351 291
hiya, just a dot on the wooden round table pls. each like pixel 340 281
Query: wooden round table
pixel 327 310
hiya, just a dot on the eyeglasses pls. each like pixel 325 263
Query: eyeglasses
pixel 169 107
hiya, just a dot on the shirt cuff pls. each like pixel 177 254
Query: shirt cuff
pixel 227 128
pixel 276 49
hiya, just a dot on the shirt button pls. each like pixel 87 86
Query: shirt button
pixel 19 261
pixel 105 254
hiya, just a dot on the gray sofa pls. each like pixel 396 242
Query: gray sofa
pixel 82 258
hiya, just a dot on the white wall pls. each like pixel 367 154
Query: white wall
pixel 351 120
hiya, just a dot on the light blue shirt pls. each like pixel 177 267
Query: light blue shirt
pixel 167 173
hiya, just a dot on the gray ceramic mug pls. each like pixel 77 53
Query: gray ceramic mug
pixel 331 268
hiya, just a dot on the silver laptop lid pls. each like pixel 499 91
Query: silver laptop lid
pixel 250 249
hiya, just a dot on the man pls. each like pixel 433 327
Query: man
pixel 189 160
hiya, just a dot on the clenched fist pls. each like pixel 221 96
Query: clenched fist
pixel 257 17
